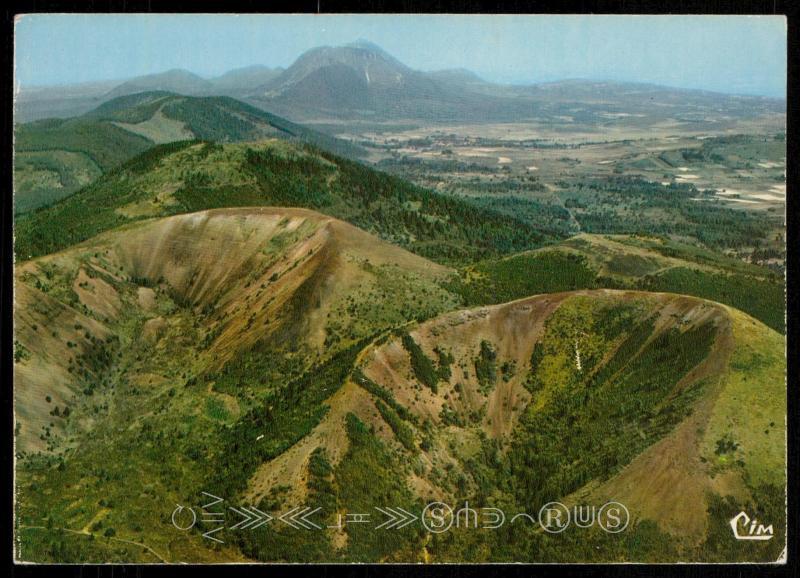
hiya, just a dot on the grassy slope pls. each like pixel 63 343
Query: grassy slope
pixel 127 126
pixel 182 177
pixel 216 118
pixel 191 176
pixel 749 418
pixel 105 144
pixel 631 204
pixel 590 261
pixel 40 177
pixel 728 456
pixel 54 158
pixel 153 421
pixel 757 381
pixel 638 392
pixel 191 423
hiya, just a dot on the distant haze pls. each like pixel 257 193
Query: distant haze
pixel 731 54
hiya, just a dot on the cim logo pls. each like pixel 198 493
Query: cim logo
pixel 746 529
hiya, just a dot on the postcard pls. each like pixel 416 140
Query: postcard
pixel 399 288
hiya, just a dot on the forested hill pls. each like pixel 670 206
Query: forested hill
pixel 190 176
pixel 215 118
pixel 627 262
pixel 56 157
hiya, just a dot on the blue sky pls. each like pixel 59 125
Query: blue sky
pixel 734 54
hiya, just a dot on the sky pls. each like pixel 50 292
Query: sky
pixel 732 54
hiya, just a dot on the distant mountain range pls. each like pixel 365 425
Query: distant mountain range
pixel 208 301
pixel 233 83
pixel 74 100
pixel 362 81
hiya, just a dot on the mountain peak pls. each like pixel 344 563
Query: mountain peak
pixel 351 70
pixel 176 72
pixel 175 80
pixel 363 44
pixel 352 54
pixel 456 74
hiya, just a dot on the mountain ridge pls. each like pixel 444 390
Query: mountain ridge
pixel 54 158
pixel 424 95
pixel 246 297
pixel 224 305
pixel 188 176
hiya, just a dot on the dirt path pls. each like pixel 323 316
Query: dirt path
pixel 87 533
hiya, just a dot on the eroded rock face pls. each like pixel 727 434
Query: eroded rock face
pixel 627 394
pixel 245 275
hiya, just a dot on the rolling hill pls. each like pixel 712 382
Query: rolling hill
pixel 588 261
pixel 551 397
pixel 190 176
pixel 54 158
pixel 275 324
pixel 38 103
pixel 242 81
pixel 177 81
pixel 183 177
pixel 176 311
pixel 271 356
pixel 235 83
